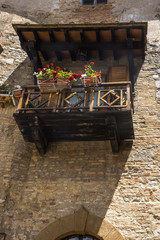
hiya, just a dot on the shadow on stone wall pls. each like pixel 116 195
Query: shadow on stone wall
pixel 23 74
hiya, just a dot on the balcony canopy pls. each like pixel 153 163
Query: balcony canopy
pixel 82 41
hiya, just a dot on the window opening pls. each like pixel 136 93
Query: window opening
pixel 93 2
pixel 80 237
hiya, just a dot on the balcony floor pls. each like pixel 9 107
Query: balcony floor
pixel 77 125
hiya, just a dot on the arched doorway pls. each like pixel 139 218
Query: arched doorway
pixel 80 225
pixel 80 237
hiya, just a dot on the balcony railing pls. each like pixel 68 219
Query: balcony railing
pixel 106 97
pixel 100 113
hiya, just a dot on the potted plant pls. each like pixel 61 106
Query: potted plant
pixel 6 95
pixel 52 77
pixel 17 91
pixel 90 78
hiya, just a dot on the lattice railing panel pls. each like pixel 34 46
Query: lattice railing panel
pixel 108 96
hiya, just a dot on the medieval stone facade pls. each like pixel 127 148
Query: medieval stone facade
pixel 122 188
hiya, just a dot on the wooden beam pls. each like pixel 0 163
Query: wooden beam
pixel 38 137
pixel 44 54
pixel 115 55
pixel 70 46
pixel 35 57
pixel 131 62
pixel 86 57
pixel 130 57
pixel 143 40
pixel 98 39
pixel 67 38
pixel 78 27
pixel 52 39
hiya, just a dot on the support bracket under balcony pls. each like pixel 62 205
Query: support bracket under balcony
pixel 39 137
pixel 111 132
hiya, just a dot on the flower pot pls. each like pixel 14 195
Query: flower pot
pixel 54 84
pixel 3 92
pixel 6 99
pixel 90 82
pixel 17 92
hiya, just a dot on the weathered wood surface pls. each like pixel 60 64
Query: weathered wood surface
pixel 77 126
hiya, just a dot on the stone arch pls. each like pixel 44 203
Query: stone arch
pixel 81 222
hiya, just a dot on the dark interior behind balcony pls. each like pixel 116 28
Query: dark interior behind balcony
pixel 103 112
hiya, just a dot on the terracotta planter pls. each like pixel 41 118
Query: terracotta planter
pixel 6 99
pixel 88 82
pixel 3 92
pixel 17 92
pixel 52 84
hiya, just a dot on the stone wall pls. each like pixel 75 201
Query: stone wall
pixel 123 188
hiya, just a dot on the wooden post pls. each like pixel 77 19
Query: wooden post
pixel 128 97
pixel 38 136
pixel 31 45
pixel 92 100
pixel 130 57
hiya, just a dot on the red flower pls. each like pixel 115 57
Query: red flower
pixel 85 66
pixel 88 80
pixel 98 74
pixel 43 70
pixel 58 68
pixel 3 98
pixel 80 71
pixel 39 69
pixel 51 64
pixel 71 78
pixel 54 74
pixel 91 62
pixel 75 75
pixel 79 75
pixel 7 101
pixel 2 105
pixel 47 66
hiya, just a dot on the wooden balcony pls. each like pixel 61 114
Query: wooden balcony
pixel 100 113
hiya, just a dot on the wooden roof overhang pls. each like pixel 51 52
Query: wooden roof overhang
pixel 87 40
pixel 83 42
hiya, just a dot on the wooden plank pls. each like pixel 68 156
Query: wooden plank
pixel 88 46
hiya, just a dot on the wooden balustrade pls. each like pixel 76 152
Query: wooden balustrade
pixel 108 96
